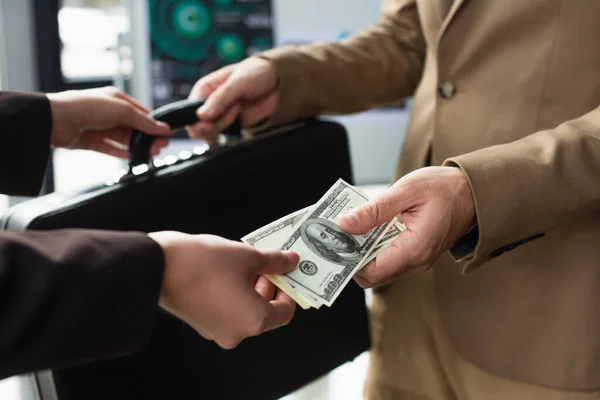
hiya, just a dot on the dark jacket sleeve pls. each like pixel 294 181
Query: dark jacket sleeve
pixel 25 128
pixel 73 296
pixel 65 296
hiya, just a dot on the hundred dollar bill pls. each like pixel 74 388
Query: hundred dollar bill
pixel 276 233
pixel 386 238
pixel 390 235
pixel 273 236
pixel 376 251
pixel 329 257
pixel 392 232
pixel 301 300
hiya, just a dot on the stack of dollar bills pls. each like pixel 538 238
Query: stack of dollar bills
pixel 329 257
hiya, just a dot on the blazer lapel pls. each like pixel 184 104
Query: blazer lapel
pixel 454 9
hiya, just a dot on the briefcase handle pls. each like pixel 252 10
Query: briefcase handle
pixel 177 115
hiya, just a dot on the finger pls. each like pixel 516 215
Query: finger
pixel 106 148
pixel 222 99
pixel 265 288
pixel 276 262
pixel 208 84
pixel 211 141
pixel 119 137
pixel 258 111
pixel 206 335
pixel 202 130
pixel 115 144
pixel 99 142
pixel 138 120
pixel 157 147
pixel 210 130
pixel 375 212
pixel 280 311
pixel 363 283
pixel 387 267
pixel 410 271
pixel 226 120
pixel 123 96
pixel 201 330
pixel 161 142
pixel 250 115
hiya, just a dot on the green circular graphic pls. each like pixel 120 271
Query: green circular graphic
pixel 190 19
pixel 183 29
pixel 191 31
pixel 230 47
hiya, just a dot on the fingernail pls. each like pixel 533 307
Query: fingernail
pixel 162 124
pixel 205 109
pixel 351 218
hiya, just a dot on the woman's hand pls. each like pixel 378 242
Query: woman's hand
pixel 101 120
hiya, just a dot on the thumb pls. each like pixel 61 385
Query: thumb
pixel 276 262
pixel 373 213
pixel 221 100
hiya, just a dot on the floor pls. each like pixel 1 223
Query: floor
pixel 344 383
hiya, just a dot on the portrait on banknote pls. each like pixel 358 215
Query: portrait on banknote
pixel 327 240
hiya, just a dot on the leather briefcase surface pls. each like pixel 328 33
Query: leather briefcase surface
pixel 227 191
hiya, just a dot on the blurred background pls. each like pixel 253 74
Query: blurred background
pixel 55 45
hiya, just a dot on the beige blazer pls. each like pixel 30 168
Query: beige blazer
pixel 510 91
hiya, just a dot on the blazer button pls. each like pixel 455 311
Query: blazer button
pixel 447 90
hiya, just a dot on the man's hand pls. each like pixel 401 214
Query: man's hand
pixel 246 89
pixel 437 206
pixel 216 286
pixel 101 120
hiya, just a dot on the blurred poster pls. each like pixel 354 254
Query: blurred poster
pixel 191 38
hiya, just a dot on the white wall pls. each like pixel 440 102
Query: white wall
pixel 375 137
pixel 322 19
pixel 18 46
pixel 17 54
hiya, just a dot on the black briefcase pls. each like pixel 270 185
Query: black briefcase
pixel 228 191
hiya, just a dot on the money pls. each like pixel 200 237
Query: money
pixel 389 236
pixel 329 257
pixel 394 231
pixel 273 236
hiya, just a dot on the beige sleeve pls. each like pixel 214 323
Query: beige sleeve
pixel 528 187
pixel 379 66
